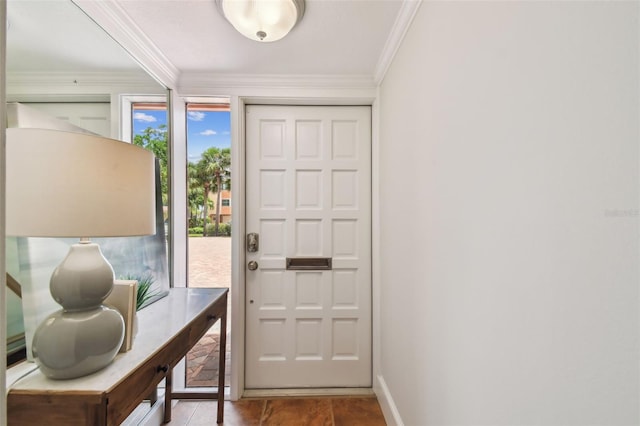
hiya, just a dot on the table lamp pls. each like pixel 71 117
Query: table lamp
pixel 64 184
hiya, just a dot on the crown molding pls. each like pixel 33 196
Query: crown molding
pixel 78 86
pixel 195 80
pixel 118 24
pixel 58 98
pixel 77 79
pixel 400 27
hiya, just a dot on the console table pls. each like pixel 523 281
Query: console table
pixel 167 330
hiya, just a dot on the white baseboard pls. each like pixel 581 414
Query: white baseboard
pixel 389 409
pixel 306 392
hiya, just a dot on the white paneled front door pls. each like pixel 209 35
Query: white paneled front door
pixel 308 285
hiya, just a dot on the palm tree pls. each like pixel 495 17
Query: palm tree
pixel 203 179
pixel 195 197
pixel 213 171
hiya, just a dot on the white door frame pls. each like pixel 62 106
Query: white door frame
pixel 238 254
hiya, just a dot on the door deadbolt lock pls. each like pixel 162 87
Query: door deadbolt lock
pixel 253 242
pixel 252 265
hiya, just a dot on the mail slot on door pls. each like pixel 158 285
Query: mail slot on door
pixel 308 263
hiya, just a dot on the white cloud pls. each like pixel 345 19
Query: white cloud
pixel 141 116
pixel 195 115
pixel 208 132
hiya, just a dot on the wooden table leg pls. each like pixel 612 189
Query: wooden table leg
pixel 167 395
pixel 221 373
pixel 153 396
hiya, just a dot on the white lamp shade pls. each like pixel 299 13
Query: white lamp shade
pixel 64 184
pixel 263 20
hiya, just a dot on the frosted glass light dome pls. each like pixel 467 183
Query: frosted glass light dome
pixel 262 20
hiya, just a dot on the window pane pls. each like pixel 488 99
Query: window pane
pixel 209 195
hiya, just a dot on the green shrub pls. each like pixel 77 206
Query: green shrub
pixel 196 230
pixel 210 229
pixel 224 229
pixel 195 222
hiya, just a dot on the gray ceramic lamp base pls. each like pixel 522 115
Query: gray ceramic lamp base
pixel 73 344
pixel 84 336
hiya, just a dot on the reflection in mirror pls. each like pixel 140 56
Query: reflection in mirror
pixel 63 71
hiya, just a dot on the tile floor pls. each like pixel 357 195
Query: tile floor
pixel 326 411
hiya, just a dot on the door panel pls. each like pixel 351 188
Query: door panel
pixel 309 196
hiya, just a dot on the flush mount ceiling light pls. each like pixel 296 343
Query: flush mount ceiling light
pixel 262 20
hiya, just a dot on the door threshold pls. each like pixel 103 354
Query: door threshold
pixel 306 392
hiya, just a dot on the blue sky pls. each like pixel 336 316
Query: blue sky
pixel 205 129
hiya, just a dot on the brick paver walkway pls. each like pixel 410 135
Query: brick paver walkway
pixel 209 266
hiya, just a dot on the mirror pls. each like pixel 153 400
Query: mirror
pixel 61 70
pixel 57 56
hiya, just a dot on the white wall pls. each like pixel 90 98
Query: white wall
pixel 509 210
